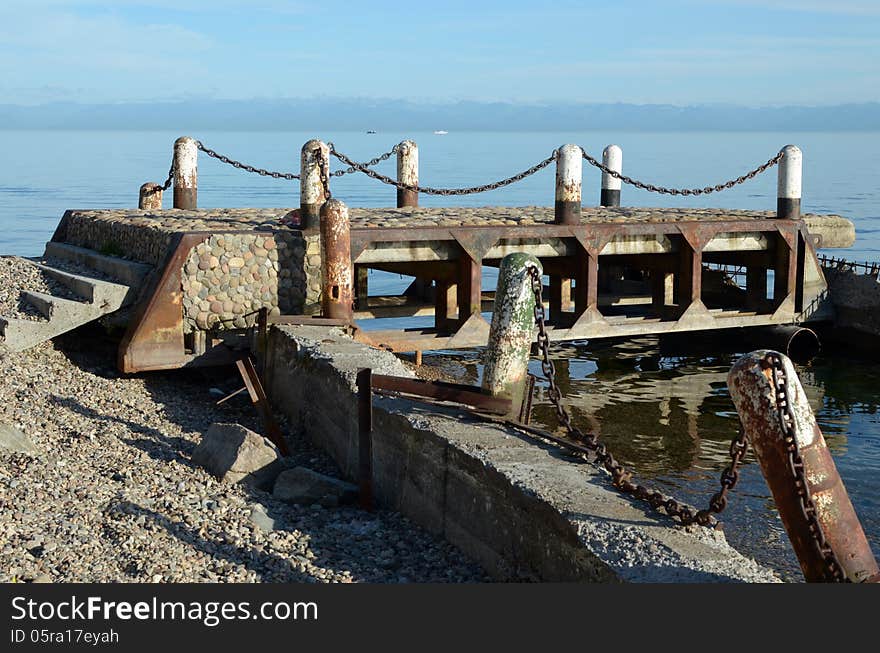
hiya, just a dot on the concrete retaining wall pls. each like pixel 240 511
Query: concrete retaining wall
pixel 524 510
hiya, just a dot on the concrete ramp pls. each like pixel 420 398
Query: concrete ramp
pixel 67 288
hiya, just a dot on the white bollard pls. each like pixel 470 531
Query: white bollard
pixel 569 173
pixel 612 158
pixel 311 195
pixel 186 174
pixel 407 173
pixel 788 195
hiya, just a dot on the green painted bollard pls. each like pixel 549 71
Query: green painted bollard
pixel 513 330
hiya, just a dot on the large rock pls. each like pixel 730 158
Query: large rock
pixel 235 454
pixel 14 441
pixel 302 485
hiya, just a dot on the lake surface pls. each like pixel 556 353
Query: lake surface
pixel 665 414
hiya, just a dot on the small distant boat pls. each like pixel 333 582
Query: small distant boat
pixel 371 131
pixel 440 132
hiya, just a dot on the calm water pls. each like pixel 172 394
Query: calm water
pixel 665 414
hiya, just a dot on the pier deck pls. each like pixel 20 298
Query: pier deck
pixel 620 271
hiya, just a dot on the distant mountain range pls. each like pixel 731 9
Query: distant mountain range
pixel 401 115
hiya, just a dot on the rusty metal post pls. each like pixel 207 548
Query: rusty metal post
pixel 788 195
pixel 311 188
pixel 407 173
pixel 150 197
pixel 754 392
pixel 186 175
pixel 612 158
pixel 337 293
pixel 569 173
pixel 513 330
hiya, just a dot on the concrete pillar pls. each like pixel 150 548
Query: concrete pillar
pixel 513 330
pixel 612 158
pixel 337 270
pixel 150 197
pixel 569 165
pixel 788 195
pixel 186 174
pixel 407 173
pixel 770 413
pixel 311 193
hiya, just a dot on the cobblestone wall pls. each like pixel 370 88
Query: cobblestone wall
pixel 229 277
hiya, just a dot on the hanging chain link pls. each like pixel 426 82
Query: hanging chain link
pixel 620 477
pixel 369 164
pixel 683 191
pixel 170 178
pixel 324 172
pixel 362 167
pixel 354 166
pixel 833 569
pixel 245 166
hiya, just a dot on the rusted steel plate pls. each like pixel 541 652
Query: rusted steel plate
pixel 154 339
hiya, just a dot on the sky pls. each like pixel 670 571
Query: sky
pixel 683 52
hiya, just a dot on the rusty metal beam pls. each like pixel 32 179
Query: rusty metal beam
pixel 261 403
pixel 453 392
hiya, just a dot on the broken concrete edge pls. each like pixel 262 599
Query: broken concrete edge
pixel 522 509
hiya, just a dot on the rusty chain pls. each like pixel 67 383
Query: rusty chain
pixel 620 477
pixel 170 178
pixel 354 166
pixel 245 166
pixel 324 172
pixel 651 188
pixel 369 164
pixel 361 167
pixel 833 569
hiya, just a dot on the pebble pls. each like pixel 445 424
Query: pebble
pixel 126 505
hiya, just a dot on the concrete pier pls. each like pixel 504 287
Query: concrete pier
pixel 512 504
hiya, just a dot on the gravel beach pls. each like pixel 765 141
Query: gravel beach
pixel 111 495
pixel 17 274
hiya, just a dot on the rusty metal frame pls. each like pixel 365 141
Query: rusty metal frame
pixel 586 320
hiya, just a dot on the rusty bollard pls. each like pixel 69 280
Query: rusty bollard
pixel 569 173
pixel 788 195
pixel 186 175
pixel 512 331
pixel 612 158
pixel 337 295
pixel 311 188
pixel 772 405
pixel 150 197
pixel 407 173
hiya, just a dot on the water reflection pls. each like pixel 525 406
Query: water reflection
pixel 669 418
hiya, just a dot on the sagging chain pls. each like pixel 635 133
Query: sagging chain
pixel 833 569
pixel 620 477
pixel 651 188
pixel 245 166
pixel 362 167
pixel 369 164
